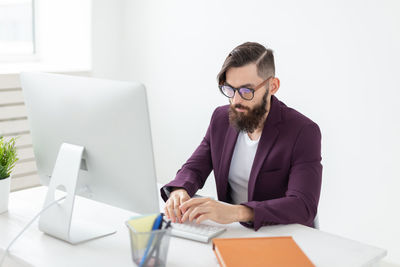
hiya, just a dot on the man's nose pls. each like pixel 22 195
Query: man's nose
pixel 236 99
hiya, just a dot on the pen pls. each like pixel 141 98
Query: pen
pixel 156 225
pixel 158 244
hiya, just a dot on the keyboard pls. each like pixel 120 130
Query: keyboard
pixel 197 232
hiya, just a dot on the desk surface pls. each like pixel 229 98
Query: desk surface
pixel 39 249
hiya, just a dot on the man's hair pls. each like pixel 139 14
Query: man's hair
pixel 249 52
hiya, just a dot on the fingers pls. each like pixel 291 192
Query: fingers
pixel 194 212
pixel 172 207
pixel 186 214
pixel 166 212
pixel 203 217
pixel 181 208
pixel 177 210
pixel 198 211
pixel 193 202
pixel 169 211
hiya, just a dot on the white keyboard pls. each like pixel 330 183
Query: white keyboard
pixel 197 232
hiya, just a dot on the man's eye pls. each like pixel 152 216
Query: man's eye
pixel 245 90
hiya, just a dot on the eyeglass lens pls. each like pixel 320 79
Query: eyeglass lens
pixel 245 93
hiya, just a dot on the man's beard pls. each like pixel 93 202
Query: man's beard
pixel 248 122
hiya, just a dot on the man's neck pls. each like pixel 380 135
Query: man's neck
pixel 254 135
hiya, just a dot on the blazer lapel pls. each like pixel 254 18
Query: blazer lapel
pixel 226 158
pixel 267 140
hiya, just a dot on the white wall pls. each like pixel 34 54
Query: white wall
pixel 62 37
pixel 63 30
pixel 338 62
pixel 107 38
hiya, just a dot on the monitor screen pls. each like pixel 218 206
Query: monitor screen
pixel 110 119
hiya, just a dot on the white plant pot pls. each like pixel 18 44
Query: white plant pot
pixel 4 193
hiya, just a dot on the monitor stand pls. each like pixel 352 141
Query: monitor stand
pixel 56 220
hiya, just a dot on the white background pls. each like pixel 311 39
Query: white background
pixel 62 36
pixel 338 62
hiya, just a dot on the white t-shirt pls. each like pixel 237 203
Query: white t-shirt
pixel 239 172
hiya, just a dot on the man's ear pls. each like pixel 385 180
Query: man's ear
pixel 275 83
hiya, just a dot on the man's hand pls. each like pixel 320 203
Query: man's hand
pixel 176 198
pixel 209 209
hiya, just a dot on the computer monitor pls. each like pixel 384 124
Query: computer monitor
pixel 91 137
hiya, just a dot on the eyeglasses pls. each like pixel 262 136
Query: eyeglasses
pixel 244 92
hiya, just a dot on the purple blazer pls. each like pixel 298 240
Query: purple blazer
pixel 285 179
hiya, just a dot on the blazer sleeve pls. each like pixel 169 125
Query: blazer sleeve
pixel 195 171
pixel 299 205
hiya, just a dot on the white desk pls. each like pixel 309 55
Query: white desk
pixel 39 249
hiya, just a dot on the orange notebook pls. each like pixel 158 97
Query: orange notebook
pixel 259 251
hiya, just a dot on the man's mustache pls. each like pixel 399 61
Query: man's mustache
pixel 241 106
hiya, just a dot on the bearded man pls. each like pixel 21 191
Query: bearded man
pixel 266 157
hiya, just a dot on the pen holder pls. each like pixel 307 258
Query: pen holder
pixel 149 248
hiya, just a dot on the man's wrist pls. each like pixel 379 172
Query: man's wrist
pixel 245 214
pixel 177 188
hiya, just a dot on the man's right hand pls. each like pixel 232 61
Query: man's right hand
pixel 176 198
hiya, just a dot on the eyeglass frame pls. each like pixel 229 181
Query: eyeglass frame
pixel 237 89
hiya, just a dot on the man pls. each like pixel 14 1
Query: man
pixel 266 157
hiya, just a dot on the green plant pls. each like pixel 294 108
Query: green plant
pixel 8 156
